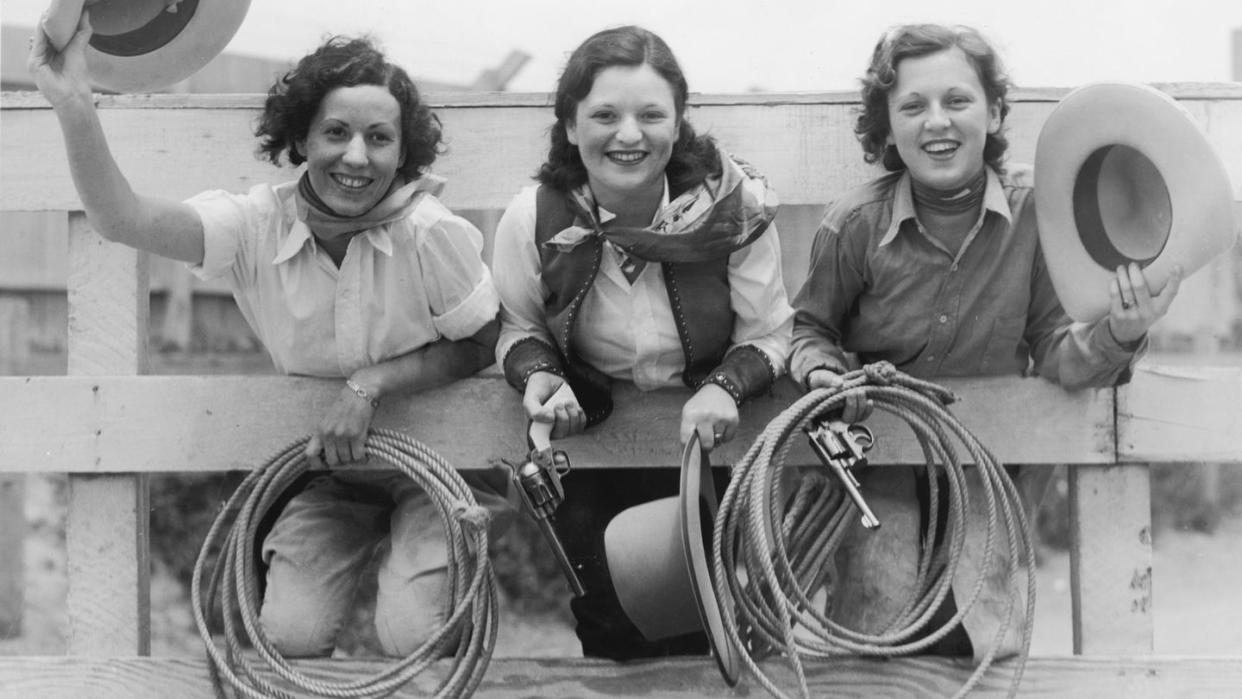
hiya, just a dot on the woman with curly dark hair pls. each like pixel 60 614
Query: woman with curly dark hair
pixel 355 271
pixel 646 255
pixel 936 267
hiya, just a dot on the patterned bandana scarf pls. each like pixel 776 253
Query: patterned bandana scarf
pixel 709 221
pixel 401 199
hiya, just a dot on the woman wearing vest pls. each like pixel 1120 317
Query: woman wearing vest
pixel 936 267
pixel 645 254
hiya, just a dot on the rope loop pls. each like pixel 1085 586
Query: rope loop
pixel 231 593
pixel 772 547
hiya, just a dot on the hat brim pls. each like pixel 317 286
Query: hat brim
pixel 165 50
pixel 1082 253
pixel 698 516
pixel 657 559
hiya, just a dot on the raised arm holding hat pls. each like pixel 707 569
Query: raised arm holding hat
pixel 360 221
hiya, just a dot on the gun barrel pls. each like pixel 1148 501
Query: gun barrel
pixel 554 542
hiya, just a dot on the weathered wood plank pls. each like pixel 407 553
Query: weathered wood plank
pixel 1122 677
pixel 1168 411
pixel 803 143
pixel 1110 559
pixel 107 424
pixel 14 347
pixel 108 598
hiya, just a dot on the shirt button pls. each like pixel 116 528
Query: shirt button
pixel 931 358
pixel 944 319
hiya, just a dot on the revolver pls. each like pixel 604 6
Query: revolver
pixel 538 480
pixel 841 446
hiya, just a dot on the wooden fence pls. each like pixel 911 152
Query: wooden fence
pixel 109 426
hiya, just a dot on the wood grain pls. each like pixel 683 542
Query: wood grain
pixel 682 678
pixel 192 423
pixel 108 599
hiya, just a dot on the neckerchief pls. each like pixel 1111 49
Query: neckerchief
pixel 709 221
pixel 400 200
pixel 957 201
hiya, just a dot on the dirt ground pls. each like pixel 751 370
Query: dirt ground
pixel 1197 608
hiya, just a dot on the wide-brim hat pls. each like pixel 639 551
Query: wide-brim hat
pixel 144 45
pixel 657 556
pixel 1124 174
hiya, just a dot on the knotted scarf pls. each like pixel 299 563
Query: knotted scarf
pixel 708 221
pixel 400 200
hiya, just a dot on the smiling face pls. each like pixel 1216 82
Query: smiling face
pixel 625 129
pixel 940 118
pixel 353 147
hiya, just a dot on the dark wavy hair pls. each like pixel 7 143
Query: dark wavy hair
pixel 913 41
pixel 694 157
pixel 293 101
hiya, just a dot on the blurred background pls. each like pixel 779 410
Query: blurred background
pixel 725 46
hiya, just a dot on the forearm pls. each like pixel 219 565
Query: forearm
pixel 116 212
pixel 439 363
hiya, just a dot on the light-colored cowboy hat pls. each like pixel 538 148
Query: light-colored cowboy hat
pixel 1124 174
pixel 142 45
pixel 657 555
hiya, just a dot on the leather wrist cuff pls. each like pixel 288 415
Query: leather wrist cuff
pixel 527 356
pixel 745 372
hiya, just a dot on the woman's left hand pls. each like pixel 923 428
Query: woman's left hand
pixel 712 413
pixel 1133 308
pixel 341 436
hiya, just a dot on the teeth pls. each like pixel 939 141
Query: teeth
pixel 939 147
pixel 627 157
pixel 351 182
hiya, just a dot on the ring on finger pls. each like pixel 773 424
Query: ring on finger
pixel 1126 304
pixel 718 436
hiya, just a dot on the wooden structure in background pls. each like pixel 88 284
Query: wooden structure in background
pixel 108 426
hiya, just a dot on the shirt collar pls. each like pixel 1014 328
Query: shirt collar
pixel 300 237
pixel 605 215
pixel 994 199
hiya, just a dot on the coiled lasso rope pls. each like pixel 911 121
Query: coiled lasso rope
pixel 782 546
pixel 469 633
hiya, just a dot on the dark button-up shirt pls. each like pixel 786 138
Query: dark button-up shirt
pixel 882 288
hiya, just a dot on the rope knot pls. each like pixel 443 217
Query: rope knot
pixel 881 373
pixel 474 516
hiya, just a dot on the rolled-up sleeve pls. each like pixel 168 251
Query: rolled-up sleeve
pixel 226 218
pixel 460 290
pixel 763 317
pixel 516 266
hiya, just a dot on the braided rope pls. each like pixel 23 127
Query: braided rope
pixel 469 632
pixel 772 594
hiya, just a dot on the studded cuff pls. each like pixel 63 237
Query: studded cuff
pixel 528 355
pixel 745 372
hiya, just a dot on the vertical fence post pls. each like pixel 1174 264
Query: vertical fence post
pixel 14 347
pixel 1110 554
pixel 109 596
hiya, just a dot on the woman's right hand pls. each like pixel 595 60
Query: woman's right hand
pixel 61 75
pixel 857 407
pixel 563 411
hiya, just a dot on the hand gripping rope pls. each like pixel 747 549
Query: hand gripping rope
pixel 470 630
pixel 770 579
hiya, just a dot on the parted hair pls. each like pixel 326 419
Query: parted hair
pixel 694 157
pixel 294 99
pixel 912 41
